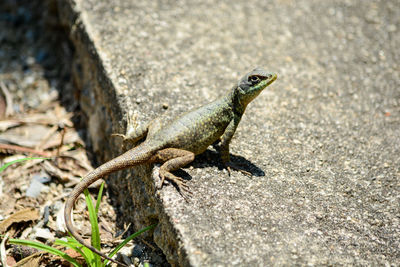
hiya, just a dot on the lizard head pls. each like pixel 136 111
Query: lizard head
pixel 251 85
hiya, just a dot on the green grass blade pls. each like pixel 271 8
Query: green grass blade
pixel 72 243
pixel 90 255
pixel 99 195
pixel 2 168
pixel 95 227
pixel 40 246
pixel 129 238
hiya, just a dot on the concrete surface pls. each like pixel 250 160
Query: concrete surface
pixel 323 142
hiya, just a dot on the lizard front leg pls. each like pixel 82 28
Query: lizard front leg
pixel 134 132
pixel 224 145
pixel 174 159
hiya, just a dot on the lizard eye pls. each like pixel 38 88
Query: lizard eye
pixel 254 79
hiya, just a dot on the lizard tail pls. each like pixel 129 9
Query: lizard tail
pixel 128 159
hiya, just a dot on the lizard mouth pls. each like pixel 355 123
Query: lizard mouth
pixel 272 79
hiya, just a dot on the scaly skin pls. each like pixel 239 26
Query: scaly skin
pixel 177 144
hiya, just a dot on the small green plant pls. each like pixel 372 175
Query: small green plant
pixel 91 258
pixel 2 168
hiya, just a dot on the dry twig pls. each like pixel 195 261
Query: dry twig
pixel 9 99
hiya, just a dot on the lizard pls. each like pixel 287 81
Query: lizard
pixel 175 145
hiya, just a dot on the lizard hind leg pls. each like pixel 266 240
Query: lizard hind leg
pixel 174 159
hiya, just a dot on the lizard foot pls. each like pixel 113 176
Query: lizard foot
pixel 230 165
pixel 183 188
pixel 134 131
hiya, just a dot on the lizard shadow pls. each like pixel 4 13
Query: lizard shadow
pixel 211 158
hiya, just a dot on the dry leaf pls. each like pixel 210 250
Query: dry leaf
pixel 24 215
pixel 56 172
pixel 6 124
pixel 70 137
pixel 30 261
pixel 24 135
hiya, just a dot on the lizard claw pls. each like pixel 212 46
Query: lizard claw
pixel 183 188
pixel 230 165
pixel 134 132
pixel 119 135
pixel 228 168
pixel 131 126
pixel 162 179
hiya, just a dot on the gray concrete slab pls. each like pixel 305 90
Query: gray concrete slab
pixel 323 142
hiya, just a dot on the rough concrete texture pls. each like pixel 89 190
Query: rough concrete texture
pixel 323 142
